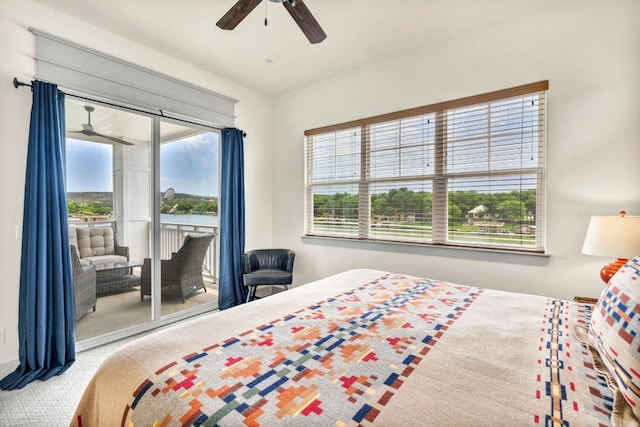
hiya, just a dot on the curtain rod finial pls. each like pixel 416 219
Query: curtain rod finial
pixel 17 83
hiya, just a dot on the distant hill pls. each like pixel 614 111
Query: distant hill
pixel 106 198
pixel 91 197
pixel 193 198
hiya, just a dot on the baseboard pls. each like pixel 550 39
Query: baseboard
pixel 7 367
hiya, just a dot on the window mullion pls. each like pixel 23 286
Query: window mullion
pixel 364 192
pixel 541 178
pixel 309 225
pixel 439 208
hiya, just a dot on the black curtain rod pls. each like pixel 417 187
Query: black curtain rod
pixel 17 83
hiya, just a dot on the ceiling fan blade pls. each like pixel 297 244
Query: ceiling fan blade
pixel 237 13
pixel 110 138
pixel 305 20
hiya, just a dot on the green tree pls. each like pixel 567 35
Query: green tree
pixel 512 210
pixel 185 207
pixel 345 206
pixel 455 213
pixel 400 201
pixel 211 206
pixel 530 202
pixel 466 200
pixel 380 205
pixel 426 205
pixel 101 209
pixel 320 205
pixel 72 207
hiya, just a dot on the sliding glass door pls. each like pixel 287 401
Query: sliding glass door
pixel 188 216
pixel 117 161
pixel 108 175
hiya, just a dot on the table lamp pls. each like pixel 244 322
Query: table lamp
pixel 614 237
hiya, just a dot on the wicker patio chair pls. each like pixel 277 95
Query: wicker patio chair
pixel 97 245
pixel 84 285
pixel 182 274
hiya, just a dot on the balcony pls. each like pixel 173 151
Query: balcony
pixel 124 309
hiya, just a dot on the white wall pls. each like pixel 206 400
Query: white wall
pixel 17 49
pixel 587 49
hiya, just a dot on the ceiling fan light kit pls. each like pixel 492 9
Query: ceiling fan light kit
pixel 296 8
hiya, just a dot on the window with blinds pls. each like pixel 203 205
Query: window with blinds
pixel 468 172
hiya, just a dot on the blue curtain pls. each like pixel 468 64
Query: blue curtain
pixel 46 326
pixel 231 292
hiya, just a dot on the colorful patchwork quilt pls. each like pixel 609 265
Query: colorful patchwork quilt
pixel 361 348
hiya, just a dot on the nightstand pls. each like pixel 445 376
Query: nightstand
pixel 586 300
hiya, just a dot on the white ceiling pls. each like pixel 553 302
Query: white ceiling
pixel 278 58
pixel 117 123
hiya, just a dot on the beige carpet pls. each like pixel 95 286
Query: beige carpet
pixel 124 309
pixel 53 402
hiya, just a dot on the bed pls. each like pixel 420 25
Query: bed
pixel 365 347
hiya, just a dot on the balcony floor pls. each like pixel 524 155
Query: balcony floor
pixel 124 309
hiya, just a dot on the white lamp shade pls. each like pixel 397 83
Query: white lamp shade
pixel 613 236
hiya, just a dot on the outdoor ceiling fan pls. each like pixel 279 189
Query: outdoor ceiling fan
pixel 87 129
pixel 297 9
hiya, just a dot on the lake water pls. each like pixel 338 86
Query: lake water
pixel 190 219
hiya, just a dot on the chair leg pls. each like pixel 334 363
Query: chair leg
pixel 251 294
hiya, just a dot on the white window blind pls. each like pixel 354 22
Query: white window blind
pixel 335 171
pixel 468 172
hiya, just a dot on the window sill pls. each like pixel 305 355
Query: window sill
pixel 478 254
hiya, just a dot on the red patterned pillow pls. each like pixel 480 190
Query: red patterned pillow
pixel 615 331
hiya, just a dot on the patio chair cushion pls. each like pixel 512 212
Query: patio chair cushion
pixel 96 245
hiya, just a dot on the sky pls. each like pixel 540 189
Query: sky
pixel 89 166
pixel 188 166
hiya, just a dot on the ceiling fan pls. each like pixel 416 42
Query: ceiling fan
pixel 297 9
pixel 87 129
